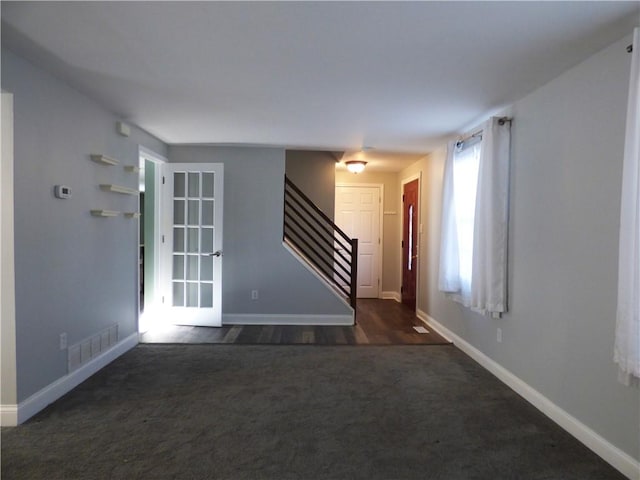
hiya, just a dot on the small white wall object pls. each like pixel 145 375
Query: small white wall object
pixel 108 187
pixel 123 129
pixel 104 213
pixel 98 158
pixel 62 191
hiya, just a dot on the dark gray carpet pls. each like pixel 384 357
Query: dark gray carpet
pixel 294 412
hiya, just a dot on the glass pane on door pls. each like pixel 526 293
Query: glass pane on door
pixel 206 295
pixel 206 235
pixel 207 185
pixel 178 294
pixel 193 239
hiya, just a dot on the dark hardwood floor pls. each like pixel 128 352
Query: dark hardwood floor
pixel 380 322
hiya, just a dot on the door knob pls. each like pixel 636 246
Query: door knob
pixel 216 254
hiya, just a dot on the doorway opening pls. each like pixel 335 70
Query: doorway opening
pixel 410 229
pixel 149 231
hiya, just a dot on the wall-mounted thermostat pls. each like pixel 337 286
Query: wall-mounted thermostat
pixel 62 191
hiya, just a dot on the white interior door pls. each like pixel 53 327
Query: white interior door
pixel 192 243
pixel 358 215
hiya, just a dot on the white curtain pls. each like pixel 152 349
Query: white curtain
pixel 449 271
pixel 487 291
pixel 489 273
pixel 627 342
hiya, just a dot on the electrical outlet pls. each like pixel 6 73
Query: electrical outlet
pixel 499 335
pixel 63 341
pixel 254 294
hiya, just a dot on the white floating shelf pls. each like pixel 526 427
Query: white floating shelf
pixel 108 187
pixel 103 159
pixel 132 214
pixel 104 213
pixel 131 169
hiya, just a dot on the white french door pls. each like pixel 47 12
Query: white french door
pixel 192 243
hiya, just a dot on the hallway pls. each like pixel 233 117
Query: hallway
pixel 379 322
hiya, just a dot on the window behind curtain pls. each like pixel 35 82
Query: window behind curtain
pixel 466 161
pixel 474 229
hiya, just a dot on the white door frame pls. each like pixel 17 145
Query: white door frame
pixel 380 188
pixel 8 375
pixel 403 182
pixel 152 305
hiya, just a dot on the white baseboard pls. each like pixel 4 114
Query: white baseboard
pixel 8 415
pixel 620 460
pixel 285 319
pixel 391 296
pixel 437 327
pixel 12 415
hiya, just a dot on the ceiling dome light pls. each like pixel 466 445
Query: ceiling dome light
pixel 355 166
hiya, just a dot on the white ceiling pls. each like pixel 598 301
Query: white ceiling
pixel 395 76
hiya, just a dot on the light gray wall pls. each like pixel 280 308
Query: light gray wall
pixel 567 148
pixel 254 256
pixel 141 137
pixel 74 273
pixel 314 172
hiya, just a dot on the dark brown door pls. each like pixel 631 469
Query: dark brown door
pixel 409 243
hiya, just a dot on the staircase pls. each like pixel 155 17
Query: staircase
pixel 320 242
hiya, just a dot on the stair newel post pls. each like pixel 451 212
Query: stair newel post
pixel 354 272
